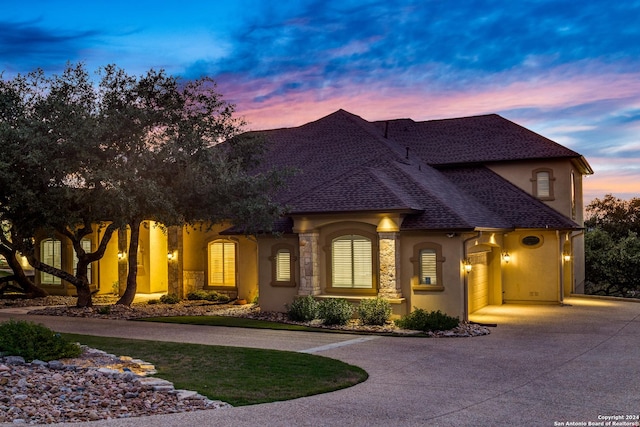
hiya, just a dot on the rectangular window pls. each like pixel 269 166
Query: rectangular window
pixel 352 262
pixel 283 266
pixel 51 254
pixel 428 265
pixel 543 184
pixel 222 264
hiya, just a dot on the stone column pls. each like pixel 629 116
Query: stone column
pixel 389 262
pixel 309 264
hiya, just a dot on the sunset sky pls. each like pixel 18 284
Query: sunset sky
pixel 569 70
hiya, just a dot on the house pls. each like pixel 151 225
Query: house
pixel 449 215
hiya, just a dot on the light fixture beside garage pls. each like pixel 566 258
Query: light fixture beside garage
pixel 467 265
pixel 506 257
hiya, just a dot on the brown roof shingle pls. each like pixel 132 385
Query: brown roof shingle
pixel 346 164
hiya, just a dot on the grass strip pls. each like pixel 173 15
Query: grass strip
pixel 236 322
pixel 236 375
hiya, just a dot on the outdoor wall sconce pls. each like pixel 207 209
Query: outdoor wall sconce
pixel 566 257
pixel 171 256
pixel 467 265
pixel 121 255
pixel 506 257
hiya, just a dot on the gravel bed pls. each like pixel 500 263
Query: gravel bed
pixel 94 386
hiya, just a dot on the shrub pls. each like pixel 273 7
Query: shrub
pixel 202 295
pixel 153 301
pixel 169 299
pixel 421 320
pixel 374 311
pixel 34 341
pixel 335 311
pixel 303 309
pixel 105 309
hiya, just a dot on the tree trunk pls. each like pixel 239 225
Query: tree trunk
pixel 84 296
pixel 130 291
pixel 27 285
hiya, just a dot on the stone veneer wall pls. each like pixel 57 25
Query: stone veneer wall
pixel 193 280
pixel 388 280
pixel 309 264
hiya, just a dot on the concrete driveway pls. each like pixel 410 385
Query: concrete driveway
pixel 541 366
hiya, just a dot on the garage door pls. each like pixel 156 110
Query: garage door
pixel 478 281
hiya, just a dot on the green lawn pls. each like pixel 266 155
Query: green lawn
pixel 237 322
pixel 239 376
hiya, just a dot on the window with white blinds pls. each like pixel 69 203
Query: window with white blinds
pixel 51 254
pixel 86 245
pixel 543 184
pixel 428 267
pixel 222 263
pixel 352 262
pixel 283 265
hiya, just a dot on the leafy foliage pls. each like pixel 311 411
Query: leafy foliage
pixel 335 311
pixel 374 311
pixel 303 309
pixel 612 247
pixel 77 155
pixel 422 320
pixel 615 216
pixel 33 341
pixel 202 295
pixel 169 299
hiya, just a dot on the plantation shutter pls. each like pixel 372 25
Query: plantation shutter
pixel 352 262
pixel 50 254
pixel 428 267
pixel 222 264
pixel 362 263
pixel 283 265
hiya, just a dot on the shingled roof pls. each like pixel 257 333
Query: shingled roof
pixel 478 139
pixel 346 164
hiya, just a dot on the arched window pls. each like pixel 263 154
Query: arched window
pixel 51 254
pixel 222 263
pixel 542 180
pixel 352 262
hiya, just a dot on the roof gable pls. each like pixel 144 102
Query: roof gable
pixel 346 164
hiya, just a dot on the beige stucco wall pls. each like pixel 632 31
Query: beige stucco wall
pixel 450 299
pixel 533 273
pixel 521 173
pixel 271 296
pixel 108 266
pixel 194 262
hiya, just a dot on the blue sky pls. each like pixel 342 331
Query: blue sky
pixel 569 70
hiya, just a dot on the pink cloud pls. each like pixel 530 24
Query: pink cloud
pixel 561 88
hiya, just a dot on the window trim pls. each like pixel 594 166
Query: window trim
pixel 416 261
pixel 275 250
pixel 524 236
pixel 534 181
pixel 208 284
pixel 373 238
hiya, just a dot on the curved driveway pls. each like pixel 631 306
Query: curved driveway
pixel 541 366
